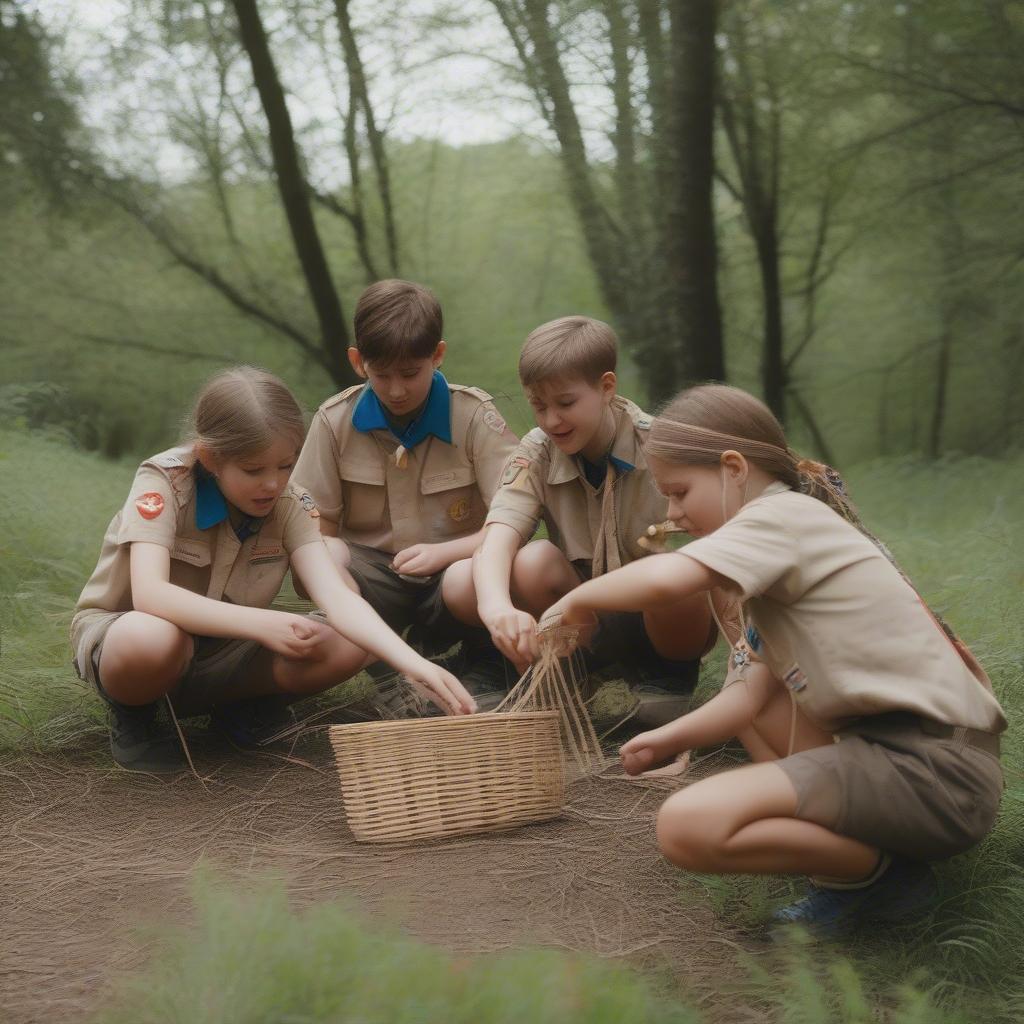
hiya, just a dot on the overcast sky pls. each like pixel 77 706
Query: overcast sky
pixel 462 99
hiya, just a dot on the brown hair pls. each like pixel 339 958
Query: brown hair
pixel 397 320
pixel 572 346
pixel 243 411
pixel 701 423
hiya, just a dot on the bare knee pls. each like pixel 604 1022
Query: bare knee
pixel 541 574
pixel 459 592
pixel 689 835
pixel 143 657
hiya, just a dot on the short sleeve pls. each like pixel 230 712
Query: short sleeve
pixel 519 499
pixel 317 470
pixel 491 445
pixel 302 520
pixel 754 549
pixel 150 515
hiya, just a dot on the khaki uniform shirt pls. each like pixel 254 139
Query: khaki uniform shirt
pixel 834 620
pixel 542 482
pixel 441 494
pixel 162 509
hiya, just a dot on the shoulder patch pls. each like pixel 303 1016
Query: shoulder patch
pixel 309 505
pixel 517 471
pixel 149 505
pixel 494 420
pixel 166 461
pixel 644 421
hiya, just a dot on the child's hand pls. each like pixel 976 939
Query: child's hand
pixel 646 751
pixel 514 633
pixel 421 560
pixel 442 688
pixel 292 636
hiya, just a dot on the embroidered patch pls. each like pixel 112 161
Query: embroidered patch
pixel 458 511
pixel 193 552
pixel 493 419
pixel 150 504
pixel 271 553
pixel 310 506
pixel 514 468
pixel 795 679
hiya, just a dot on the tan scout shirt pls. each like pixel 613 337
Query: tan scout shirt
pixel 441 494
pixel 542 482
pixel 834 619
pixel 161 509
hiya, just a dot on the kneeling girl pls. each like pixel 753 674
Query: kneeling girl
pixel 178 603
pixel 874 732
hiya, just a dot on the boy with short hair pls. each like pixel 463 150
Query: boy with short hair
pixel 582 471
pixel 403 468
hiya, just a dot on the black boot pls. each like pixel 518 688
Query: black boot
pixel 142 741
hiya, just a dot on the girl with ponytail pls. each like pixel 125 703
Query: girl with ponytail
pixel 872 730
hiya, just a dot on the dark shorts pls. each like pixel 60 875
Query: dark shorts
pixel 217 674
pixel 898 782
pixel 621 638
pixel 403 601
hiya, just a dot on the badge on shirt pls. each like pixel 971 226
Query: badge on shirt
pixel 458 511
pixel 493 419
pixel 150 504
pixel 516 467
pixel 310 506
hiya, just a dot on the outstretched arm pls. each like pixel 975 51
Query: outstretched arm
pixel 356 620
pixel 648 583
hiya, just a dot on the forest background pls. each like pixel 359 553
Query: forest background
pixel 818 201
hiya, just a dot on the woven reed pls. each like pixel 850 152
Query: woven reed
pixel 420 779
pixel 553 683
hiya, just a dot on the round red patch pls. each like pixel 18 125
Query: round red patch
pixel 150 504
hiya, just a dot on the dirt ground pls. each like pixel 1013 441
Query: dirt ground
pixel 91 855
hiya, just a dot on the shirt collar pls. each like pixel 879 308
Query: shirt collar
pixel 435 419
pixel 211 506
pixel 625 453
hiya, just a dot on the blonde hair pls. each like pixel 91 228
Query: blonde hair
pixel 243 411
pixel 572 346
pixel 701 423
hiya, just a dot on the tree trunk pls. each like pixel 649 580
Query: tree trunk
pixel 774 376
pixel 294 192
pixel 360 91
pixel 693 255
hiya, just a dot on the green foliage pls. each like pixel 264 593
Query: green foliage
pixel 251 959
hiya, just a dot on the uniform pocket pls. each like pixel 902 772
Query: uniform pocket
pixel 364 495
pixel 452 504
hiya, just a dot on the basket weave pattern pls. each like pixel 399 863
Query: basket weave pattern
pixel 406 780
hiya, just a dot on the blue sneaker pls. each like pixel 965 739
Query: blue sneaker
pixel 903 892
pixel 253 723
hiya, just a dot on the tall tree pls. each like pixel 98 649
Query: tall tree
pixel 294 192
pixel 650 234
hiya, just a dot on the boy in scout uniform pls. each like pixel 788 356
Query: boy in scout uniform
pixel 582 471
pixel 402 469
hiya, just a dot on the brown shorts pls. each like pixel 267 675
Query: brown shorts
pixel 401 600
pixel 895 782
pixel 621 638
pixel 216 674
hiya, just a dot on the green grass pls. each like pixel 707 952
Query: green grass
pixel 956 526
pixel 250 959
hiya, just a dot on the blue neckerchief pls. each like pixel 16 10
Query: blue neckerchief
pixel 436 418
pixel 595 472
pixel 212 507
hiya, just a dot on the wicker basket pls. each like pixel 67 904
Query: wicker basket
pixel 432 777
